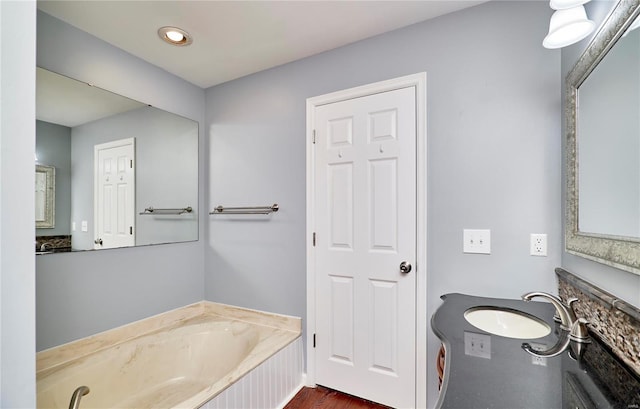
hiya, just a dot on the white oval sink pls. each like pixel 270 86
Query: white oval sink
pixel 507 322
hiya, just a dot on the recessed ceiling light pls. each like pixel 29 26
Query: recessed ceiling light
pixel 175 35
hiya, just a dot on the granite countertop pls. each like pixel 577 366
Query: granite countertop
pixel 506 376
pixel 54 250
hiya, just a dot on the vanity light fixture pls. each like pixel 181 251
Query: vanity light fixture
pixel 566 4
pixel 568 26
pixel 175 36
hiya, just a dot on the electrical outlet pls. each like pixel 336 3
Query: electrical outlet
pixel 538 245
pixel 477 345
pixel 538 360
pixel 476 241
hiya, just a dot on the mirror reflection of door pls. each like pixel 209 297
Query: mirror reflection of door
pixel 114 194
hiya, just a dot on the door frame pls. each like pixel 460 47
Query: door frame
pixel 419 81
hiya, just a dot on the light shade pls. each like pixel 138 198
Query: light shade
pixel 568 26
pixel 566 4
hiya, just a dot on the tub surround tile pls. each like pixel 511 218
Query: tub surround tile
pixel 614 321
pixel 54 358
pixel 275 335
pixel 280 321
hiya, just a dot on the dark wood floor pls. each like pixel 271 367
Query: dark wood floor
pixel 325 398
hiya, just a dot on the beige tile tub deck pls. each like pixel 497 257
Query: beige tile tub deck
pixel 274 332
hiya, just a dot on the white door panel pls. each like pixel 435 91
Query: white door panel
pixel 365 212
pixel 340 190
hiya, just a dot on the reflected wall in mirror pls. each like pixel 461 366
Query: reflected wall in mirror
pixel 603 145
pixel 72 119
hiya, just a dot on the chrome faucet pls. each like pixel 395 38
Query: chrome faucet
pixel 563 342
pixel 43 247
pixel 568 319
pixel 561 309
pixel 77 394
pixel 557 349
pixel 579 332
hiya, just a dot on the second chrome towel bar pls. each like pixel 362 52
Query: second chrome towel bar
pixel 246 210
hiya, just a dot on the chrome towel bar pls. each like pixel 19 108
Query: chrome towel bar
pixel 152 210
pixel 246 210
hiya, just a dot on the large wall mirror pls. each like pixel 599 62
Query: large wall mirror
pixel 126 173
pixel 603 144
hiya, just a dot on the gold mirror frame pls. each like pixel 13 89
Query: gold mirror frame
pixel 615 251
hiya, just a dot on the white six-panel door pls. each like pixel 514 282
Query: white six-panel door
pixel 114 209
pixel 365 225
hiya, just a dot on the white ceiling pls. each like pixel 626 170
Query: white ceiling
pixel 232 39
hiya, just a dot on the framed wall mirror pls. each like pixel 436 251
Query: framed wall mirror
pixel 45 197
pixel 602 105
pixel 108 195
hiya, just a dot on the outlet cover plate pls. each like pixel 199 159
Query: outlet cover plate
pixel 538 245
pixel 538 360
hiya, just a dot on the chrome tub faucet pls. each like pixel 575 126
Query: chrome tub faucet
pixel 77 394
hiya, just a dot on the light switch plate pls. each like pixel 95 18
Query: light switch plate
pixel 477 345
pixel 476 241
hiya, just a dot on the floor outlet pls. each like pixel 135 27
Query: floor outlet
pixel 538 245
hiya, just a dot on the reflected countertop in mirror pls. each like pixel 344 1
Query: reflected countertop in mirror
pixel 102 191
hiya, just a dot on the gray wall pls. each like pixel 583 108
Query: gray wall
pixel 17 209
pixel 493 129
pixel 166 148
pixel 53 148
pixel 83 293
pixel 620 283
